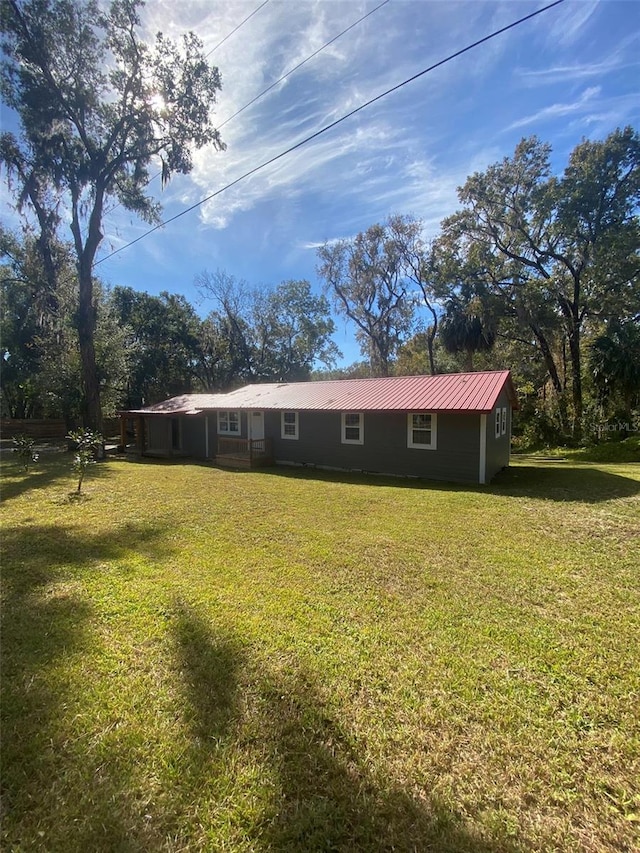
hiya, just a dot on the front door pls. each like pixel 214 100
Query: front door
pixel 256 426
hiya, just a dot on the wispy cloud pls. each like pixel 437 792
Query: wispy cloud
pixel 555 111
pixel 405 154
pixel 570 20
pixel 621 58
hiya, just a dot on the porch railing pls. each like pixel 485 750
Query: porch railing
pixel 244 448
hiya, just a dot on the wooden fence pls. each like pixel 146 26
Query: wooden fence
pixel 49 428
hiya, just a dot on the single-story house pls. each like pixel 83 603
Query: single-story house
pixel 448 427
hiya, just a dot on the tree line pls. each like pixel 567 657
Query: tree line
pixel 149 348
pixel 535 271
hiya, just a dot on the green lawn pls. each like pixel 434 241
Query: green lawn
pixel 198 659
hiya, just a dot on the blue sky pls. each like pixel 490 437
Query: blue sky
pixel 570 73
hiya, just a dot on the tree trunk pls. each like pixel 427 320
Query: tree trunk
pixel 545 349
pixel 576 378
pixel 570 311
pixel 431 336
pixel 91 406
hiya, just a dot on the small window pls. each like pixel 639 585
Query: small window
pixel 229 423
pixel 352 428
pixel 498 422
pixel 504 421
pixel 289 423
pixel 421 430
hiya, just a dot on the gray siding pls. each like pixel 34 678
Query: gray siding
pixel 192 436
pixel 158 435
pixel 385 451
pixel 213 431
pixel 385 448
pixel 498 449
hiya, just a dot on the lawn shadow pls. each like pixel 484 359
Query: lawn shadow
pixel 329 800
pixel 208 662
pixel 50 468
pixel 561 482
pixel 557 482
pixel 321 795
pixel 46 622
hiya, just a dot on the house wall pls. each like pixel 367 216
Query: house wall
pixel 158 435
pixel 213 431
pixel 385 451
pixel 192 436
pixel 498 449
pixel 385 445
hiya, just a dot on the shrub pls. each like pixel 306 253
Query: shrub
pixel 87 444
pixel 24 447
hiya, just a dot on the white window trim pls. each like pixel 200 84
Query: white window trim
pixel 503 426
pixel 346 440
pixel 498 420
pixel 295 435
pixel 434 432
pixel 228 412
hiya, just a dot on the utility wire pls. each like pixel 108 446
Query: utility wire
pixel 235 30
pixel 332 125
pixel 280 79
pixel 304 61
pixel 207 55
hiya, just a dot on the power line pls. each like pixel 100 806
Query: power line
pixel 304 61
pixel 235 29
pixel 206 56
pixel 283 77
pixel 333 124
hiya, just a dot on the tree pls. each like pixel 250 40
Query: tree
pixel 87 446
pixel 565 247
pixel 41 366
pixel 293 331
pixel 96 106
pixel 614 364
pixel 366 276
pixel 162 341
pixel 271 334
pixel 466 328
pixel 417 268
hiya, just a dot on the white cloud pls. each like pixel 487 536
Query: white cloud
pixel 568 21
pixel 408 152
pixel 554 111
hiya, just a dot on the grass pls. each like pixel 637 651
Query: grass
pixel 624 450
pixel 197 659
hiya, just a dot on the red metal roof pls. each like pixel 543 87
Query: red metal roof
pixel 446 392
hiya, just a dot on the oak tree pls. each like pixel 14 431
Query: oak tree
pixel 367 280
pixel 97 107
pixel 556 250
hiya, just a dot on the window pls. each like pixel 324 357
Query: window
pixel 352 428
pixel 504 421
pixel 229 423
pixel 498 422
pixel 289 424
pixel 421 430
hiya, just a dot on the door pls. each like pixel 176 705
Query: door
pixel 256 426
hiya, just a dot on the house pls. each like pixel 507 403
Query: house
pixel 447 427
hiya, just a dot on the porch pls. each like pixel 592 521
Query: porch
pixel 243 452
